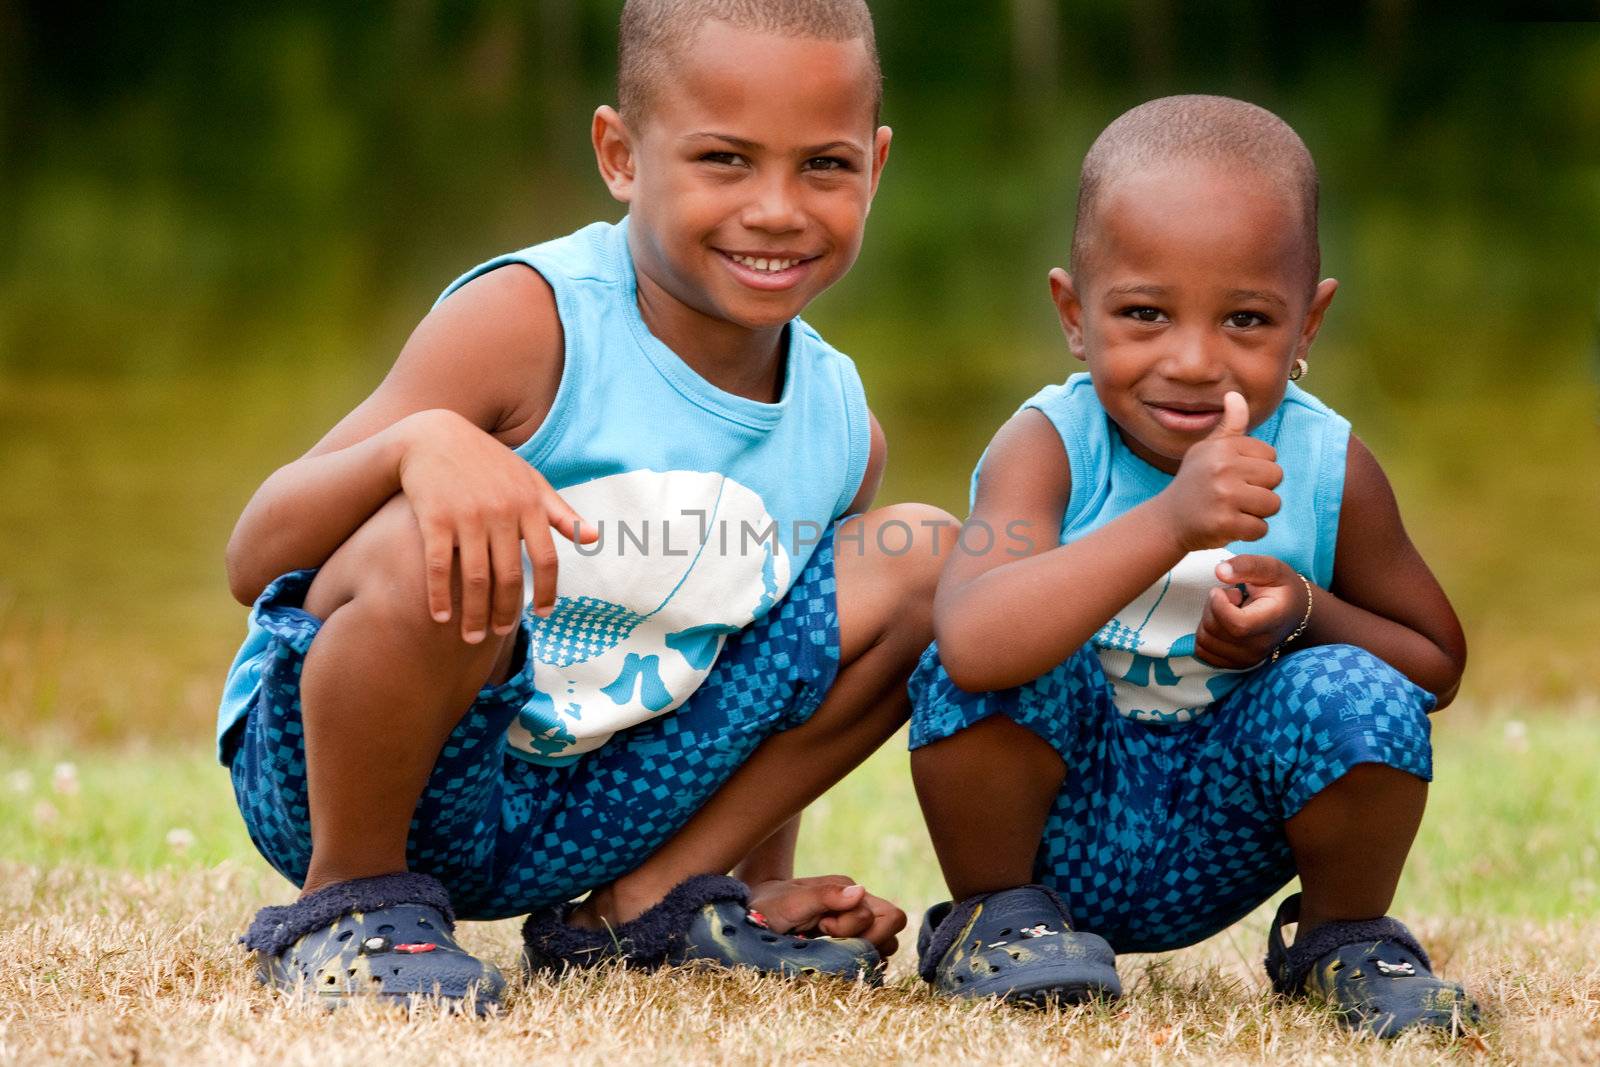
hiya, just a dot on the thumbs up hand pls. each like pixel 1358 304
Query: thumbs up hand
pixel 1223 491
pixel 1235 417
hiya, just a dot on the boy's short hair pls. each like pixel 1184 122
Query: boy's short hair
pixel 1216 129
pixel 654 32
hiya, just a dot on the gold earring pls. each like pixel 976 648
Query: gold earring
pixel 1299 370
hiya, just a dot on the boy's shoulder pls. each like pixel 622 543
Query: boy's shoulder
pixel 594 253
pixel 1299 400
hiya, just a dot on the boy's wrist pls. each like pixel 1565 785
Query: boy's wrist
pixel 408 434
pixel 1163 525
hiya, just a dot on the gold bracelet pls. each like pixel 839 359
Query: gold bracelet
pixel 1305 620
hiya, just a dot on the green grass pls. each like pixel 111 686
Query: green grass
pixel 1510 829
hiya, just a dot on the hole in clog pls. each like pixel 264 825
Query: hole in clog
pixel 799 942
pixel 808 970
pixel 1015 955
pixel 993 969
pixel 386 928
pixel 425 923
pixel 352 972
pixel 346 935
pixel 729 931
pixel 769 938
pixel 1006 932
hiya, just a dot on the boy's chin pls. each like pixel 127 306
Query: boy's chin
pixel 766 315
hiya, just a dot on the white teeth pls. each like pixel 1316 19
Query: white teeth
pixel 764 264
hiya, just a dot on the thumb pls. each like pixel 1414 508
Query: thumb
pixel 1250 570
pixel 843 898
pixel 805 909
pixel 1235 416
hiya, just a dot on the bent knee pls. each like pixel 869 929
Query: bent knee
pixel 382 560
pixel 1334 695
pixel 904 544
pixel 901 549
pixel 887 564
pixel 1347 675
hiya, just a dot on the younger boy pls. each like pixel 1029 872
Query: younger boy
pixel 410 745
pixel 1167 706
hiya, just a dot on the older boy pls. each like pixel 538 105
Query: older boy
pixel 1212 670
pixel 409 744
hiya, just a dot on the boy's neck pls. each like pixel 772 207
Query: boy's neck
pixel 735 359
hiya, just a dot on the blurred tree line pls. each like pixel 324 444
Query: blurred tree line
pixel 188 184
pixel 218 223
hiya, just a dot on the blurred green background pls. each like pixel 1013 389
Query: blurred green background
pixel 218 224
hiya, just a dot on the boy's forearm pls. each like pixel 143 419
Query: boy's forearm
pixel 1013 623
pixel 308 508
pixel 1428 663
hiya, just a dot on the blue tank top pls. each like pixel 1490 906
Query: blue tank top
pixel 708 504
pixel 1147 649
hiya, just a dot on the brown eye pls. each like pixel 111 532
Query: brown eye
pixel 1245 319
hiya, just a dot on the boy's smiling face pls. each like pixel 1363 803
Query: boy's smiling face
pixel 1197 283
pixel 749 177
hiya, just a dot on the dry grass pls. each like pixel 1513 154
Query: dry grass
pixel 104 967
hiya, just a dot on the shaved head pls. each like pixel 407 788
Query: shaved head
pixel 1216 130
pixel 655 33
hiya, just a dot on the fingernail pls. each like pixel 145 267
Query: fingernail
pixel 505 628
pixel 441 616
pixel 472 637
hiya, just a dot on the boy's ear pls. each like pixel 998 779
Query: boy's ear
pixel 613 152
pixel 1319 307
pixel 880 156
pixel 1065 294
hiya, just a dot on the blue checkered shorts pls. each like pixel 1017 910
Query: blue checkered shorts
pixel 506 836
pixel 1163 835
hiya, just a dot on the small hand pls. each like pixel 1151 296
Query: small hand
pixel 830 904
pixel 1223 491
pixel 477 502
pixel 1240 629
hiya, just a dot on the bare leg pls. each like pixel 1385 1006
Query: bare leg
pixel 1350 843
pixel 885 621
pixel 382 687
pixel 985 793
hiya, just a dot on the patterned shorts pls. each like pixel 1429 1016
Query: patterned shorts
pixel 1163 835
pixel 505 835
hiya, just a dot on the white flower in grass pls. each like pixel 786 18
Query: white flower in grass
pixel 180 840
pixel 65 779
pixel 45 814
pixel 1516 735
pixel 20 782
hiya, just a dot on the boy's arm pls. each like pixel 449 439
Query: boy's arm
pixel 477 376
pixel 1007 615
pixel 1383 596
